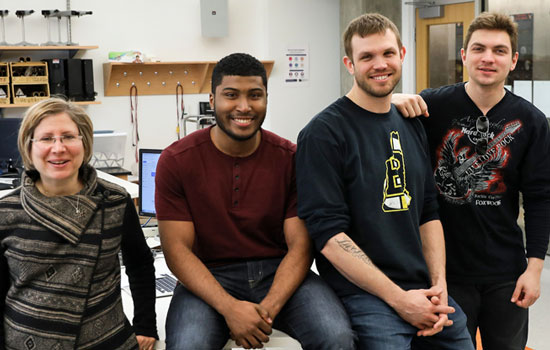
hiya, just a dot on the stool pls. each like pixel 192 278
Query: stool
pixel 277 341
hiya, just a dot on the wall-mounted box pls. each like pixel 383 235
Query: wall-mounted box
pixel 214 18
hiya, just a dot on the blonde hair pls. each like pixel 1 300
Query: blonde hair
pixel 52 106
pixel 367 24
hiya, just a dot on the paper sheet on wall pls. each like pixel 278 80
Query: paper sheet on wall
pixel 297 61
pixel 540 99
pixel 523 88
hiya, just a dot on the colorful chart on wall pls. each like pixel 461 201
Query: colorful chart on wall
pixel 297 65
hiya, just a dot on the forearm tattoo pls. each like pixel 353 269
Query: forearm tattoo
pixel 350 247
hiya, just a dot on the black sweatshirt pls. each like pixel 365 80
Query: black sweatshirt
pixel 480 167
pixel 367 175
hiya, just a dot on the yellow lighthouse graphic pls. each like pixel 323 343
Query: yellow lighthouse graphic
pixel 396 196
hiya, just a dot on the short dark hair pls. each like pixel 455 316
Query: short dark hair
pixel 494 21
pixel 367 24
pixel 239 64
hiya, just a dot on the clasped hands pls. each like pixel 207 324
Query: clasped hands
pixel 249 324
pixel 426 309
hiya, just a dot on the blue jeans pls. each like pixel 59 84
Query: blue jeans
pixel 502 324
pixel 379 327
pixel 313 315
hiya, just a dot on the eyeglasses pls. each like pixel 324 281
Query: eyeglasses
pixel 482 127
pixel 67 140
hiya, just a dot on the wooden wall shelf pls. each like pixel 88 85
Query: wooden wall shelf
pixel 70 50
pixel 20 105
pixel 160 78
pixel 65 51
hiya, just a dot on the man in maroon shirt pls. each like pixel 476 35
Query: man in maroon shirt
pixel 226 205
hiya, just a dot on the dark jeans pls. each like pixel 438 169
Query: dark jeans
pixel 379 327
pixel 502 324
pixel 313 315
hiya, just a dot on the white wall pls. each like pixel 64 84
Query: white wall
pixel 314 23
pixel 170 30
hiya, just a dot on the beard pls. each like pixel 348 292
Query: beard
pixel 220 122
pixel 362 82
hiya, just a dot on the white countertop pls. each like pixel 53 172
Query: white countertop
pixel 132 188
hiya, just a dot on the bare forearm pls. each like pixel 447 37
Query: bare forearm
pixel 248 322
pixel 412 305
pixel 177 239
pixel 293 268
pixel 290 274
pixel 433 247
pixel 198 279
pixel 357 267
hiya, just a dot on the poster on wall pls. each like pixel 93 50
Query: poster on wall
pixel 524 66
pixel 297 60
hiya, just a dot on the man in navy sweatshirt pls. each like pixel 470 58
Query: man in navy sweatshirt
pixel 366 192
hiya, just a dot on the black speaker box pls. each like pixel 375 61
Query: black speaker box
pixel 204 108
pixel 88 80
pixel 73 74
pixel 56 76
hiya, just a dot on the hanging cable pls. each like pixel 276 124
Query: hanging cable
pixel 180 108
pixel 134 118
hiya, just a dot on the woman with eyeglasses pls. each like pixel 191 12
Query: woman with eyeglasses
pixel 60 235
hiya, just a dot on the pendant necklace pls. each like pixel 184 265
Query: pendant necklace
pixel 77 210
pixel 79 213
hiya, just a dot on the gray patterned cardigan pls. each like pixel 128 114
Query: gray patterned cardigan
pixel 60 272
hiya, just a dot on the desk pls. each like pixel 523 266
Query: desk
pixel 119 172
pixel 131 188
pixel 161 305
pixel 4 192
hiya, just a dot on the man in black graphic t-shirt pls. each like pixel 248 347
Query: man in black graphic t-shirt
pixel 488 146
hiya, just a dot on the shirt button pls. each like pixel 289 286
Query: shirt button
pixel 235 202
pixel 236 176
pixel 236 189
